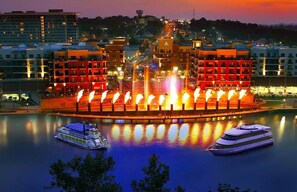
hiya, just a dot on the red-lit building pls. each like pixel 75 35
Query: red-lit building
pixel 222 68
pixel 79 69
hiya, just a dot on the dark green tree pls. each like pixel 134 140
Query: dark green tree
pixel 88 174
pixel 157 175
pixel 229 188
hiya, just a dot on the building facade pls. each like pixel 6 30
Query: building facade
pixel 222 68
pixel 23 68
pixel 39 27
pixel 275 61
pixel 73 70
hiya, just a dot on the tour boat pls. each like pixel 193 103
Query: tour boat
pixel 242 138
pixel 83 135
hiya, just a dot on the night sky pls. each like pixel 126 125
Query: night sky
pixel 253 11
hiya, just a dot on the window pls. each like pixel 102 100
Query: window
pixel 282 55
pixel 261 54
pixel 7 56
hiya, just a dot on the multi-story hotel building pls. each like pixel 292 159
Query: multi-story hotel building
pixel 275 69
pixel 24 68
pixel 171 56
pixel 79 69
pixel 222 68
pixel 38 27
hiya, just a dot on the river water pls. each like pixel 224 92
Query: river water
pixel 28 147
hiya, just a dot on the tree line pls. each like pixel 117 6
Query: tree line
pixel 94 174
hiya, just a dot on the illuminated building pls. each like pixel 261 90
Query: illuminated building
pixel 79 69
pixel 23 68
pixel 38 27
pixel 115 54
pixel 170 56
pixel 222 68
pixel 275 69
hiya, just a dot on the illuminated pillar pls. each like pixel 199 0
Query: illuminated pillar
pixel 205 107
pixel 125 108
pixel 171 108
pixel 194 106
pixel 238 104
pixel 112 107
pixel 76 106
pixel 89 107
pixel 148 108
pixel 228 104
pixel 160 108
pixel 101 107
pixel 136 107
pixel 217 105
pixel 183 106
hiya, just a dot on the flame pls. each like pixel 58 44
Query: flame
pixel 161 99
pixel 138 98
pixel 127 96
pixel 241 94
pixel 79 95
pixel 207 95
pixel 196 94
pixel 173 92
pixel 150 98
pixel 115 97
pixel 91 96
pixel 103 96
pixel 185 97
pixel 219 94
pixel 230 94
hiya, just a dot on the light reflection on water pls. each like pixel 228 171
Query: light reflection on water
pixel 187 134
pixel 190 135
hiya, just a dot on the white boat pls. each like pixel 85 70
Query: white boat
pixel 83 135
pixel 242 138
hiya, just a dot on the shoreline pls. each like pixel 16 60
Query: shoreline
pixel 160 118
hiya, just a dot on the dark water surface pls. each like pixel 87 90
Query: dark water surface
pixel 28 147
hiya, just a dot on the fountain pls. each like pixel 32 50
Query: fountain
pixel 79 95
pixel 241 94
pixel 230 94
pixel 219 95
pixel 196 95
pixel 91 96
pixel 138 98
pixel 115 98
pixel 207 96
pixel 184 100
pixel 103 96
pixel 127 97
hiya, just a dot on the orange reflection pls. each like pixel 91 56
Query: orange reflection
pixel 172 133
pixel 195 134
pixel 138 133
pixel 206 134
pixel 150 132
pixel 218 132
pixel 127 133
pixel 3 132
pixel 161 132
pixel 115 132
pixel 281 128
pixel 183 134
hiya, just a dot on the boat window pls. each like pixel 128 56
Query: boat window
pixel 252 134
pixel 229 137
pixel 220 146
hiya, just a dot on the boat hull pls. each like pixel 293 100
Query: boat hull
pixel 80 145
pixel 234 150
